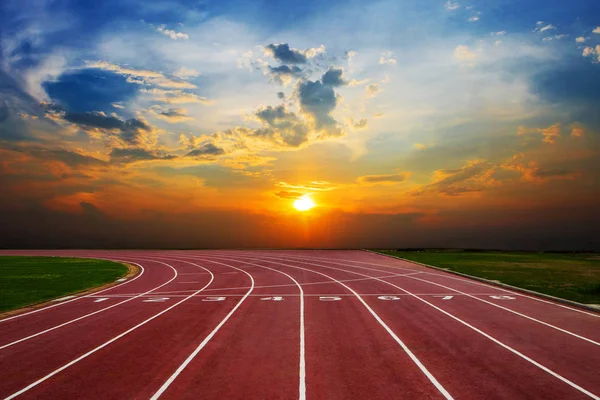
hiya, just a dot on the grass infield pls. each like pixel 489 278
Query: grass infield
pixel 572 276
pixel 30 280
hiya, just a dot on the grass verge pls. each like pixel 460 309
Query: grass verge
pixel 30 280
pixel 572 276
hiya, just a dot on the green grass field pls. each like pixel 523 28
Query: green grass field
pixel 569 276
pixel 31 280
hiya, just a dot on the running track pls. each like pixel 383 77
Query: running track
pixel 296 325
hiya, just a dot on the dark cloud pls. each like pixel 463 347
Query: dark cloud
pixel 130 131
pixel 14 101
pixel 129 155
pixel 333 77
pixel 318 100
pixel 455 182
pixel 206 150
pixel 284 73
pixel 280 95
pixel 283 53
pixel 281 126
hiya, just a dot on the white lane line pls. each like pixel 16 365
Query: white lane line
pixel 82 297
pixel 512 311
pixel 473 282
pixel 172 378
pixel 90 314
pixel 58 370
pixel 514 351
pixel 482 300
pixel 302 360
pixel 65 298
pixel 414 358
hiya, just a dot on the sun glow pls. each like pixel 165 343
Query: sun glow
pixel 304 203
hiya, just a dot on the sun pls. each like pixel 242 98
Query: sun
pixel 304 203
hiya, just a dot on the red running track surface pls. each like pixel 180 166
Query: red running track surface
pixel 296 325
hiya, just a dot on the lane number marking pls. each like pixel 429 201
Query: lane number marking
pixel 275 298
pixel 329 298
pixel 497 297
pixel 214 299
pixel 156 300
pixel 389 298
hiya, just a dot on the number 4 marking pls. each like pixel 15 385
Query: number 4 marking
pixel 214 299
pixel 329 298
pixel 389 298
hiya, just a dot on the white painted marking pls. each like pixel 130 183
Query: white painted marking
pixel 275 298
pixel 156 300
pixel 502 297
pixel 204 342
pixel 121 280
pixel 542 367
pixel 389 298
pixel 447 297
pixel 82 297
pixel 87 315
pixel 422 367
pixel 302 361
pixel 65 298
pixel 214 299
pixel 58 370
pixel 330 298
pixel 472 295
pixel 448 276
pixel 101 299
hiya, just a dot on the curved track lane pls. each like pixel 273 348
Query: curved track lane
pixel 296 325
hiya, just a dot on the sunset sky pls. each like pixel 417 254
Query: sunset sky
pixel 138 123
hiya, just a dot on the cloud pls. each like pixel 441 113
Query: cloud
pixel 314 186
pixel 141 76
pixel 318 101
pixel 333 77
pixel 544 28
pixel 172 115
pixel 387 58
pixel 463 53
pixel 289 194
pixel 186 73
pixel 176 96
pixel 390 179
pixel 455 182
pixel 117 105
pixel 280 126
pixel 373 89
pixel 580 39
pixel 287 55
pixel 551 133
pixel 473 18
pixel 450 6
pixel 597 30
pixel 207 150
pixel 131 155
pixel 284 74
pixel 499 33
pixel 360 124
pixel 171 33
